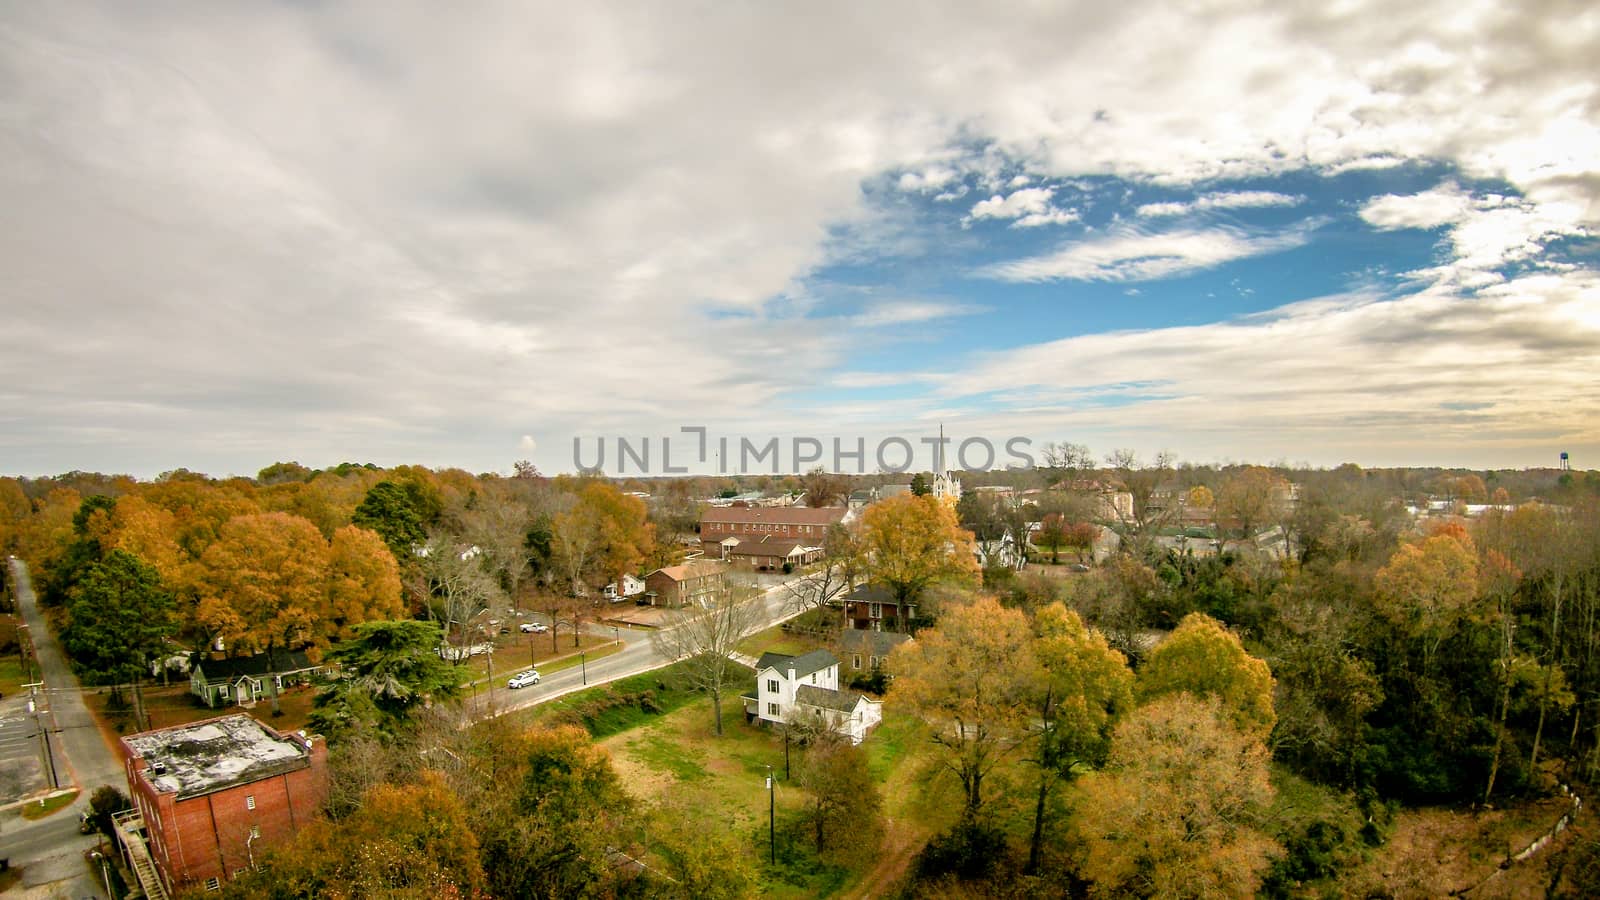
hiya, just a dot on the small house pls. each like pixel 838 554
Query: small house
pixel 805 690
pixel 241 681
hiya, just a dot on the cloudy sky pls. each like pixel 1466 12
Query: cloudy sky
pixel 242 232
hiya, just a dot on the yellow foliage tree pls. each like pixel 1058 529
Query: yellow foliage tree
pixel 1178 812
pixel 363 583
pixel 1204 659
pixel 909 542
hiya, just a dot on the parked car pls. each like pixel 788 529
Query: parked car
pixel 523 679
pixel 534 628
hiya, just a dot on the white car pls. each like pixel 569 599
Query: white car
pixel 534 628
pixel 523 679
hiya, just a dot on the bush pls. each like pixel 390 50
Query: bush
pixel 971 851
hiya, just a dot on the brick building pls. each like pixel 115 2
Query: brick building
pixel 210 795
pixel 692 582
pixel 767 537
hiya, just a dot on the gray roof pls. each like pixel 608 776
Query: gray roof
pixel 811 695
pixel 215 671
pixel 204 757
pixel 874 643
pixel 803 665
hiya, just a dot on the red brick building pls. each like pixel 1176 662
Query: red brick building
pixel 767 536
pixel 211 795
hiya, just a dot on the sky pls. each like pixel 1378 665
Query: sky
pixel 1319 232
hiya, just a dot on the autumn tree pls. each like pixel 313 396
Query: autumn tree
pixel 824 488
pixel 1081 686
pixel 842 809
pixel 264 585
pixel 363 583
pixel 970 679
pixel 1180 809
pixel 1427 587
pixel 408 841
pixel 1249 497
pixel 705 640
pixel 121 617
pixel 1204 659
pixel 699 863
pixel 909 542
pixel 550 819
pixel 604 535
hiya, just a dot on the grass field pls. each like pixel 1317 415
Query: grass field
pixel 33 811
pixel 628 703
pixel 776 640
pixel 10 676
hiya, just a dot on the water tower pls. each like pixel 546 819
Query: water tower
pixel 1566 464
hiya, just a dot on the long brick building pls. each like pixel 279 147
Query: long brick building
pixel 766 537
pixel 210 796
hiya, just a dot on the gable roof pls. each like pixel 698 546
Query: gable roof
pixel 873 643
pixel 762 547
pixel 694 568
pixel 871 593
pixel 803 665
pixel 811 695
pixel 777 515
pixel 230 670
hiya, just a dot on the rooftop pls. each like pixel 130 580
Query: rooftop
pixel 779 515
pixel 694 568
pixel 204 757
pixel 811 695
pixel 803 665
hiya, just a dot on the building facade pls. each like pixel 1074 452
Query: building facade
pixel 210 796
pixel 698 581
pixel 724 531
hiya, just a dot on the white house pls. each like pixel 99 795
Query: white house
pixel 806 688
pixel 631 587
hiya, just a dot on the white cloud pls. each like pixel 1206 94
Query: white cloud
pixel 1221 200
pixel 1443 205
pixel 1135 256
pixel 910 312
pixel 1028 208
pixel 377 230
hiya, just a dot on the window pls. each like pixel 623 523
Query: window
pixel 874 662
pixel 856 662
pixel 223 692
pixel 213 884
pixel 877 610
pixel 250 801
pixel 813 678
pixel 772 709
pixel 772 685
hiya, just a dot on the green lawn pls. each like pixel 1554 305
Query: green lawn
pixel 10 676
pixel 32 811
pixel 629 702
pixel 776 640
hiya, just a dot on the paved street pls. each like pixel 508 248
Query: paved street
pixel 51 850
pixel 640 655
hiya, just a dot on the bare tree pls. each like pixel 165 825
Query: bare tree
pixel 453 582
pixel 705 640
pixel 833 578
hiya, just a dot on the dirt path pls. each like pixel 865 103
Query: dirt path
pixel 900 844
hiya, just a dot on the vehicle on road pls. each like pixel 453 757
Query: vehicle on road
pixel 523 679
pixel 534 628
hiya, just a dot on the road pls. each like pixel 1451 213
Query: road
pixel 639 655
pixel 50 851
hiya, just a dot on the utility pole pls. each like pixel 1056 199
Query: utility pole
pixel 583 665
pixel 44 734
pixel 772 818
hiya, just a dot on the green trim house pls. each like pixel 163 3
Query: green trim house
pixel 241 681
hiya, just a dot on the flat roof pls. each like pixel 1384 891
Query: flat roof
pixel 205 757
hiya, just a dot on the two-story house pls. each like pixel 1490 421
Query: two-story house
pixel 874 608
pixel 805 689
pixel 698 581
